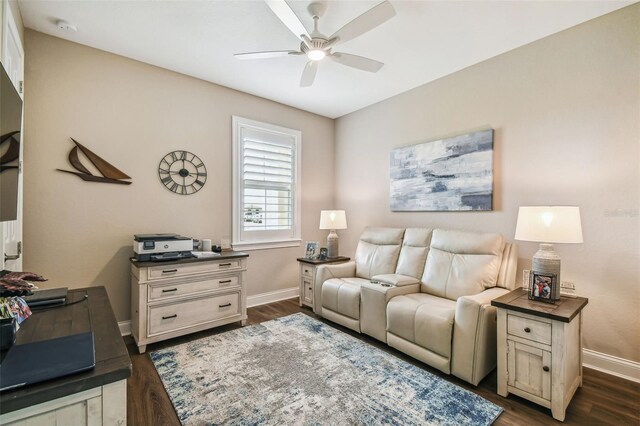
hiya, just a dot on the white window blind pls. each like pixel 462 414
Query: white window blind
pixel 266 185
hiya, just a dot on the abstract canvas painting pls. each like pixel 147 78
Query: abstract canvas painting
pixel 450 174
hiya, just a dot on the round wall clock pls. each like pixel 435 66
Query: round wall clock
pixel 182 172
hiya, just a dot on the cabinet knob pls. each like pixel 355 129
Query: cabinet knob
pixel 545 368
pixel 527 330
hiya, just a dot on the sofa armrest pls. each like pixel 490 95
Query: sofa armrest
pixel 325 272
pixel 393 291
pixel 396 280
pixel 474 335
pixel 373 307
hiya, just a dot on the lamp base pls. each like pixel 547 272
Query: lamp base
pixel 332 244
pixel 547 261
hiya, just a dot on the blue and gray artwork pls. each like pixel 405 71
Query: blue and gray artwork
pixel 449 174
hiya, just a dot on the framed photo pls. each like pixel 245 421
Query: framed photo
pixel 312 249
pixel 541 286
pixel 323 253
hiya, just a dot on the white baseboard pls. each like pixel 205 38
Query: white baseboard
pixel 609 364
pixel 272 296
pixel 125 327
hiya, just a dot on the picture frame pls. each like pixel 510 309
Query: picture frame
pixel 311 249
pixel 323 253
pixel 541 286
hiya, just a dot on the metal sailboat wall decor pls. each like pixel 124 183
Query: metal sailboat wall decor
pixel 110 174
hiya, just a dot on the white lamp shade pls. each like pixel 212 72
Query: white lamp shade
pixel 549 224
pixel 333 219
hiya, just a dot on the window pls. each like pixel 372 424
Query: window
pixel 266 185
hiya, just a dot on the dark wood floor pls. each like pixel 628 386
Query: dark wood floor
pixel 603 399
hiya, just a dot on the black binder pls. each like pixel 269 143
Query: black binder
pixel 47 359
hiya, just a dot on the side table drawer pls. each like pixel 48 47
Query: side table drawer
pixel 167 318
pixel 528 328
pixel 168 271
pixel 307 270
pixel 160 291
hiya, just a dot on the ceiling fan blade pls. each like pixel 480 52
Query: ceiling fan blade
pixel 286 15
pixel 365 22
pixel 267 55
pixel 355 61
pixel 309 74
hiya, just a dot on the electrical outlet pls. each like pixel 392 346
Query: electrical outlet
pixel 567 289
pixel 525 279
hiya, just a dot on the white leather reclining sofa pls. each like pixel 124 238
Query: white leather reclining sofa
pixel 424 292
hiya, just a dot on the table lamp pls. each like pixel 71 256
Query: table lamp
pixel 548 225
pixel 332 219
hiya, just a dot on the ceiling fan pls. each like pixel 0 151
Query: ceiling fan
pixel 316 46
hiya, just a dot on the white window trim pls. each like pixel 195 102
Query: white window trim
pixel 239 240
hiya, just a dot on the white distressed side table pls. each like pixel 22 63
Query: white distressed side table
pixel 308 269
pixel 540 349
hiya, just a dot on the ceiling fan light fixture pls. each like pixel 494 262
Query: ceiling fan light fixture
pixel 316 54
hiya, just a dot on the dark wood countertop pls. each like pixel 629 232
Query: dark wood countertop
pixel 325 261
pixel 223 255
pixel 94 314
pixel 563 310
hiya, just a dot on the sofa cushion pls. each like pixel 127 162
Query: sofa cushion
pixel 342 295
pixel 377 251
pixel 423 319
pixel 461 263
pixel 413 254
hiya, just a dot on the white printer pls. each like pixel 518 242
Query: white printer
pixel 161 247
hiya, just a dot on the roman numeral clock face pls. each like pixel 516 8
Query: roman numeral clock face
pixel 182 172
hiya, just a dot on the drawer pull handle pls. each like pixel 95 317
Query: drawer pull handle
pixel 168 271
pixel 545 368
pixel 225 282
pixel 170 316
pixel 527 330
pixel 170 290
pixel 225 264
pixel 224 306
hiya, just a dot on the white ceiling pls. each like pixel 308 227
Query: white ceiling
pixel 424 41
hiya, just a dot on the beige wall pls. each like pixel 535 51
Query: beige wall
pixel 80 234
pixel 566 114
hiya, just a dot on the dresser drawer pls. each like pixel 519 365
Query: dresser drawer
pixel 306 270
pixel 173 270
pixel 528 328
pixel 159 291
pixel 167 318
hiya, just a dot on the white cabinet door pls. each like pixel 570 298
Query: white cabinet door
pixel 13 62
pixel 529 369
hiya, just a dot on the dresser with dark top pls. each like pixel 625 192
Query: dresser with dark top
pixel 171 299
pixel 95 397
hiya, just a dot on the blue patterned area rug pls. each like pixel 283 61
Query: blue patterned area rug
pixel 296 370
